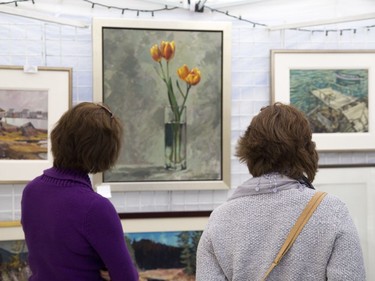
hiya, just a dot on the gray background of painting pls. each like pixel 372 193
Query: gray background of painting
pixel 136 93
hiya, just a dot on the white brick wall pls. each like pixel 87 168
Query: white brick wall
pixel 24 41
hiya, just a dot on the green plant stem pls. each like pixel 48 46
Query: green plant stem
pixel 185 99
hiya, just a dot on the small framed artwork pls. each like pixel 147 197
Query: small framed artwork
pixel 169 83
pixel 165 248
pixel 335 90
pixel 13 252
pixel 30 104
pixel 14 264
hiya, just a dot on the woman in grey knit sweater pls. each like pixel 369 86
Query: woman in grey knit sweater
pixel 244 235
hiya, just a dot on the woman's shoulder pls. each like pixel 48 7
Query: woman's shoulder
pixel 334 205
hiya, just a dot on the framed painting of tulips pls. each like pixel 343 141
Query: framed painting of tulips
pixel 169 83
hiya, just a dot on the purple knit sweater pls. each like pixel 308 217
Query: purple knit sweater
pixel 72 232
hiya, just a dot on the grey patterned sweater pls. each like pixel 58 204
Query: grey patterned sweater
pixel 244 235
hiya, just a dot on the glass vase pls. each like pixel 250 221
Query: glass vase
pixel 175 137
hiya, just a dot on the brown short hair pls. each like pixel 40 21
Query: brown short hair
pixel 279 139
pixel 87 138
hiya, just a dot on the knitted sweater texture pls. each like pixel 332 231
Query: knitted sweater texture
pixel 71 231
pixel 244 235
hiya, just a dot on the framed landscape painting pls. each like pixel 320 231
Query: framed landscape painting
pixel 169 83
pixel 335 90
pixel 164 248
pixel 30 104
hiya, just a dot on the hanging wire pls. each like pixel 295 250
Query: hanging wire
pixel 236 17
pixel 297 29
pixel 16 2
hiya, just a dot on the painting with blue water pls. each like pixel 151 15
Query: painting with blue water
pixel 334 100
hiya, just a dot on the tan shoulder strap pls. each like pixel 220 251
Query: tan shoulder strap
pixel 296 229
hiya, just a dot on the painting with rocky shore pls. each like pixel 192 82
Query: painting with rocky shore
pixel 23 124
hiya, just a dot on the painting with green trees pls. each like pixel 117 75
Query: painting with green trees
pixel 157 255
pixel 165 255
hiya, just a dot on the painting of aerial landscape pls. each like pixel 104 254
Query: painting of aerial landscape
pixel 23 124
pixel 334 100
pixel 169 255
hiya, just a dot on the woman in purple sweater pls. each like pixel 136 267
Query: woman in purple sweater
pixel 73 233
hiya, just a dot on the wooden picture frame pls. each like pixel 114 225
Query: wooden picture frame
pixel 30 104
pixel 335 89
pixel 141 69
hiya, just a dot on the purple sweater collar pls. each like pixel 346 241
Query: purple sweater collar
pixel 66 175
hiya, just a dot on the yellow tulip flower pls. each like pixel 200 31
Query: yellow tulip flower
pixel 155 53
pixel 194 77
pixel 183 71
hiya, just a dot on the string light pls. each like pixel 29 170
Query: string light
pixel 122 9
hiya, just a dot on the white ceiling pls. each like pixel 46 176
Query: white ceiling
pixel 273 13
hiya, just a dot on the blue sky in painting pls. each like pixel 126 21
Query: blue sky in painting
pixel 167 237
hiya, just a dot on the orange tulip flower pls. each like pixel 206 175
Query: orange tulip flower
pixel 192 77
pixel 167 49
